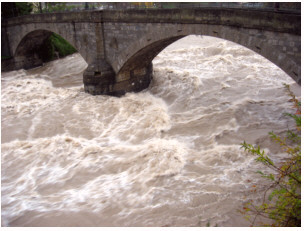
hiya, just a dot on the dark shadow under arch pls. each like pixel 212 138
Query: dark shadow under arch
pixel 41 46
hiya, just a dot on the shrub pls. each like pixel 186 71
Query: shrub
pixel 283 206
pixel 61 45
pixel 55 43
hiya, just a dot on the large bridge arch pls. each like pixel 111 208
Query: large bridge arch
pixel 142 51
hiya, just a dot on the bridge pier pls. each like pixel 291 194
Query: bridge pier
pixel 106 82
pixel 98 78
pixel 133 80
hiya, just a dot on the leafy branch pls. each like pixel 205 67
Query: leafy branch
pixel 283 205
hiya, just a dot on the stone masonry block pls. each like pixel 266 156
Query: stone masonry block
pixel 122 76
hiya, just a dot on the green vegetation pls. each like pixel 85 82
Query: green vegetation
pixel 51 7
pixel 55 47
pixel 24 8
pixel 283 206
pixel 3 57
pixel 57 7
pixel 14 9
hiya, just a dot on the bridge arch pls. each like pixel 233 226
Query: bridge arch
pixel 28 30
pixel 30 35
pixel 31 49
pixel 143 51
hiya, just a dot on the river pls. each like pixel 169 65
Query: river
pixel 167 156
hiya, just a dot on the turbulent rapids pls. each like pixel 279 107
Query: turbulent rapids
pixel 167 156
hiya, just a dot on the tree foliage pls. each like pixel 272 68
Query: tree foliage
pixel 283 205
pixel 14 9
pixel 55 47
pixel 24 8
pixel 56 6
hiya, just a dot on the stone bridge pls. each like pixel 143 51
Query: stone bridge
pixel 119 45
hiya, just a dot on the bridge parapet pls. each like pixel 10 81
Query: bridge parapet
pixel 264 20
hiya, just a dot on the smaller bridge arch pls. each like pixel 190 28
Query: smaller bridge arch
pixel 33 33
pixel 26 49
pixel 81 29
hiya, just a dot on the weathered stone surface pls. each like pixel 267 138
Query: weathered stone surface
pixel 123 76
pixel 119 46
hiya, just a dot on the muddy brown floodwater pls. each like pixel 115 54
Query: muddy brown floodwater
pixel 167 156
